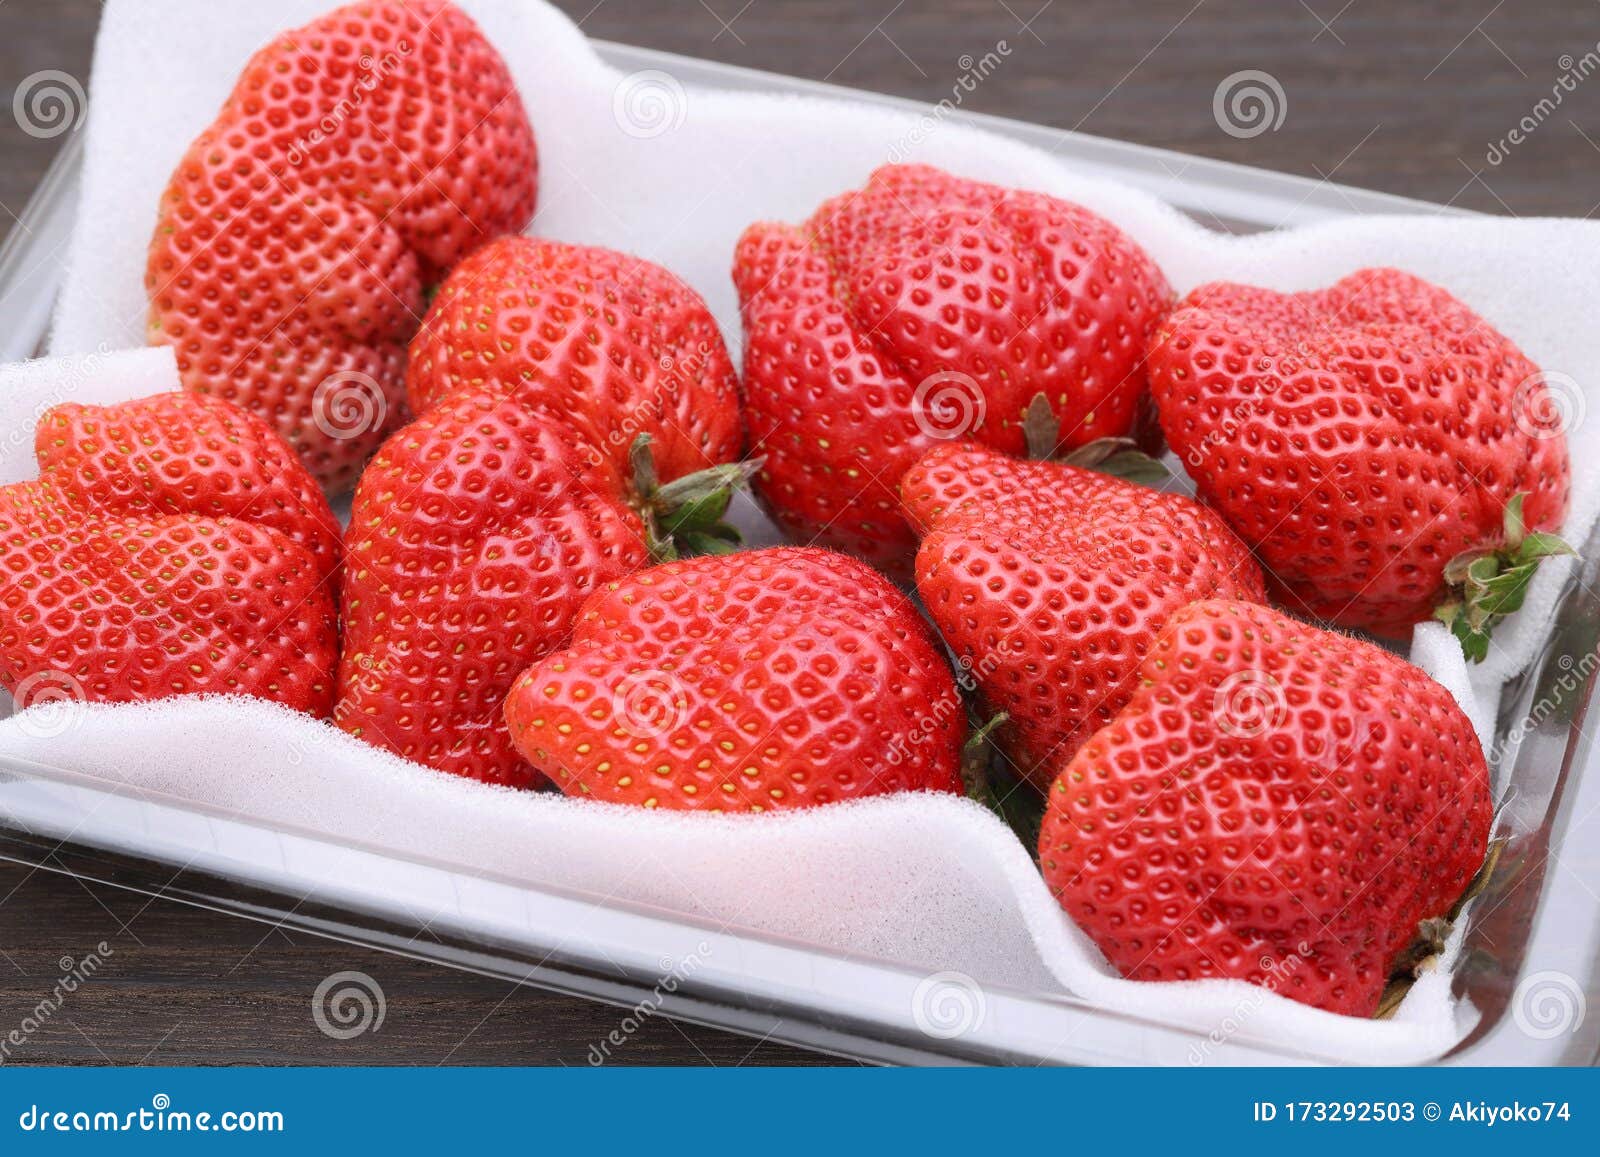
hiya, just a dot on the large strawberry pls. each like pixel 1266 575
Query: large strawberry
pixel 920 309
pixel 765 680
pixel 1050 583
pixel 357 160
pixel 1275 803
pixel 613 344
pixel 171 546
pixel 1368 441
pixel 475 534
pixel 185 454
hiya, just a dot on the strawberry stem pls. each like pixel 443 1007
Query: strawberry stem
pixel 1118 457
pixel 684 517
pixel 1489 583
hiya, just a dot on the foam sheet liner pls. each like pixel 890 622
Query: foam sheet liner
pixel 637 162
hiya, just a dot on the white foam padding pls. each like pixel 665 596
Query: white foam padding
pixel 934 883
pixel 28 389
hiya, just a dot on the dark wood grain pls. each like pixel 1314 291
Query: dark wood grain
pixel 1404 98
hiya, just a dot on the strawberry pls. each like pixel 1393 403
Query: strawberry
pixel 1275 803
pixel 475 534
pixel 765 680
pixel 114 608
pixel 613 344
pixel 1369 442
pixel 185 453
pixel 1050 583
pixel 925 308
pixel 357 159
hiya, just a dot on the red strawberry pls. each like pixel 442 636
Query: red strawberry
pixel 1276 803
pixel 357 159
pixel 765 680
pixel 1051 582
pixel 920 309
pixel 1360 438
pixel 475 534
pixel 185 454
pixel 117 608
pixel 613 344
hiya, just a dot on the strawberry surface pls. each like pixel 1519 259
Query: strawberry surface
pixel 1275 803
pixel 357 159
pixel 109 608
pixel 1358 438
pixel 760 681
pixel 925 308
pixel 183 453
pixel 614 345
pixel 1050 582
pixel 474 535
pixel 578 419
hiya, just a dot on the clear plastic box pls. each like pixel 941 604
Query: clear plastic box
pixel 1531 919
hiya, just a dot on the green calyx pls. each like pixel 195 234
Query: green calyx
pixel 1490 583
pixel 990 781
pixel 684 517
pixel 1118 457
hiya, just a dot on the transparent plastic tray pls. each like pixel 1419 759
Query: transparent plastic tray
pixel 1536 916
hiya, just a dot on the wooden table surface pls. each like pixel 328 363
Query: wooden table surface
pixel 1412 102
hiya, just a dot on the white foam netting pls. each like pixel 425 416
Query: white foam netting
pixel 934 883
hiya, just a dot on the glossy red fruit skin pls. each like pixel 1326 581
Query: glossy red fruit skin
pixel 357 159
pixel 761 681
pixel 851 318
pixel 614 345
pixel 1277 803
pixel 103 608
pixel 475 534
pixel 182 453
pixel 1050 583
pixel 1357 437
